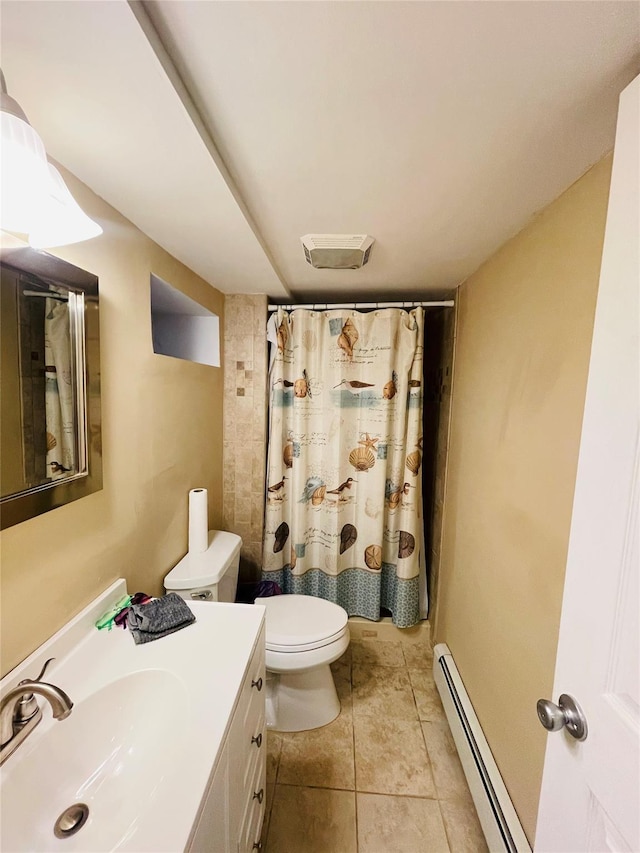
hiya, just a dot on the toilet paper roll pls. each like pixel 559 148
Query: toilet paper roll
pixel 198 521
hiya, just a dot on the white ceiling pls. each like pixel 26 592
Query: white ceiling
pixel 440 128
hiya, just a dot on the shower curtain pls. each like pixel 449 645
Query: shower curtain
pixel 343 516
pixel 61 456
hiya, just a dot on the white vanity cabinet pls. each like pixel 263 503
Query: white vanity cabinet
pixel 233 807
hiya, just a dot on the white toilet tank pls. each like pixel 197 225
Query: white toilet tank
pixel 211 575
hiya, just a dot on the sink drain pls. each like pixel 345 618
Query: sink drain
pixel 71 820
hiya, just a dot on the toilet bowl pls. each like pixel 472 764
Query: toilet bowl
pixel 303 635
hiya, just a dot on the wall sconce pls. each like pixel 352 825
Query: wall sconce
pixel 34 199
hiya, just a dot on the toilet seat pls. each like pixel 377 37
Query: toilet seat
pixel 302 623
pixel 295 661
pixel 304 647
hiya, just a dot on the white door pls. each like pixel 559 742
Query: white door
pixel 590 798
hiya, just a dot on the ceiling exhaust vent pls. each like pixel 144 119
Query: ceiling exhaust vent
pixel 337 251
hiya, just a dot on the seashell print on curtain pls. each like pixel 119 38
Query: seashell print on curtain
pixel 344 496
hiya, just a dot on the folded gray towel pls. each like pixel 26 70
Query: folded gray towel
pixel 159 617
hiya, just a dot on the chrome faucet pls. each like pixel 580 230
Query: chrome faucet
pixel 20 712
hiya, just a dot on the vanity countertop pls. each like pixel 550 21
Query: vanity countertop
pixel 143 738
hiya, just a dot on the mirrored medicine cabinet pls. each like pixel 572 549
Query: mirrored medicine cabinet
pixel 50 418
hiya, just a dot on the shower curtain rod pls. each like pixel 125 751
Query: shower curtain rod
pixel 328 306
pixel 46 294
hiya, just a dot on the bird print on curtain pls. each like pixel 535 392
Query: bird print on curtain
pixel 344 498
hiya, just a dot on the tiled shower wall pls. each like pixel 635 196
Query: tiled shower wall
pixel 245 425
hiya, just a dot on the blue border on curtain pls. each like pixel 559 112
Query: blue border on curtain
pixel 359 592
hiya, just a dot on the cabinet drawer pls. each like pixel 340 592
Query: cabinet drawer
pixel 251 711
pixel 249 734
pixel 254 687
pixel 251 825
pixel 255 742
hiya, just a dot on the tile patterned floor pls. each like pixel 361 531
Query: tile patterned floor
pixel 382 778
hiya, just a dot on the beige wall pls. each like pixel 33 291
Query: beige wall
pixel 523 340
pixel 162 435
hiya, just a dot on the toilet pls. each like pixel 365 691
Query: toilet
pixel 304 635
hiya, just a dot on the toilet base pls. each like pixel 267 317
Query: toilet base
pixel 299 701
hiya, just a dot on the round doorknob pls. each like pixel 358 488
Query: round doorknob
pixel 566 714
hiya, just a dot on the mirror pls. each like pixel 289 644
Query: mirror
pixel 50 423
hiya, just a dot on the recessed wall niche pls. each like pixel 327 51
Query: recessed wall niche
pixel 181 327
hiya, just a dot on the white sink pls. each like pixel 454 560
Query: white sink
pixel 141 741
pixel 115 743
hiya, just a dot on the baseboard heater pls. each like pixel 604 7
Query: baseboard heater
pixel 498 818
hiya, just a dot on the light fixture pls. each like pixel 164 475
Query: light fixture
pixel 23 165
pixel 34 199
pixel 59 220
